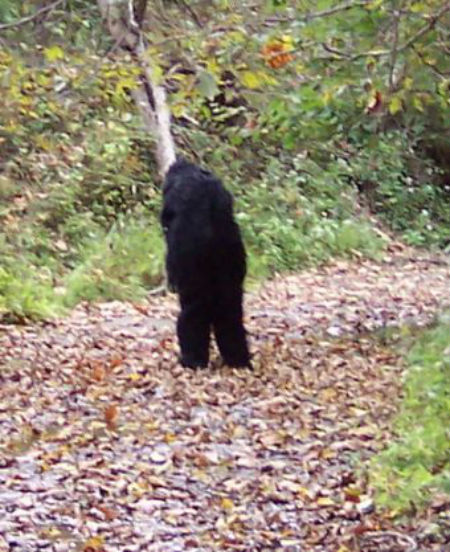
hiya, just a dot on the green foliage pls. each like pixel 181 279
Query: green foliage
pixel 300 217
pixel 25 293
pixel 417 464
pixel 345 83
pixel 121 264
pixel 403 190
pixel 295 105
pixel 8 11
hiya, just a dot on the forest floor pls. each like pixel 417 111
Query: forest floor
pixel 107 444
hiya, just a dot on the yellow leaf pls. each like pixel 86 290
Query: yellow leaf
pixel 213 66
pixel 227 504
pixel 238 432
pixel 178 110
pixel 171 519
pixel 407 83
pixel 157 74
pixel 152 425
pixel 26 101
pixel 53 53
pixel 328 453
pixel 288 41
pixel 136 489
pixel 374 5
pixel 328 394
pixel 305 492
pixel 94 543
pixel 395 105
pixel 418 7
pixel 169 437
pixel 266 78
pixel 325 501
pixel 250 80
pixel 443 87
pixel 43 142
pixel 417 103
pixel 327 96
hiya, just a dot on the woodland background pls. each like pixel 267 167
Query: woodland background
pixel 314 113
pixel 329 121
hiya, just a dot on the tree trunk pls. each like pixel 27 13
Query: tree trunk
pixel 150 98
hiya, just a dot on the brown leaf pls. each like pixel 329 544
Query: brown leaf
pixel 111 415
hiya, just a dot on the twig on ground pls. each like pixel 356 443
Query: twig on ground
pixel 160 290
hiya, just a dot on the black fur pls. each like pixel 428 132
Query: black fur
pixel 206 264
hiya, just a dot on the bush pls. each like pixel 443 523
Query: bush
pixel 121 264
pixel 300 217
pixel 402 188
pixel 25 293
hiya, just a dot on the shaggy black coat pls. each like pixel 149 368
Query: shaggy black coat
pixel 206 264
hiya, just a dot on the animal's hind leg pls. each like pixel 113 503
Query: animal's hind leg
pixel 193 328
pixel 229 328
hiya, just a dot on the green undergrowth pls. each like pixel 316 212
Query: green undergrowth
pixel 101 240
pixel 79 193
pixel 416 465
pixel 121 264
pixel 301 216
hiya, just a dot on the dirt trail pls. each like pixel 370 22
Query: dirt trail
pixel 107 444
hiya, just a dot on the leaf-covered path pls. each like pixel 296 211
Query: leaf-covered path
pixel 106 444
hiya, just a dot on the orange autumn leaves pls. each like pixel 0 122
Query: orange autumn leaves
pixel 278 52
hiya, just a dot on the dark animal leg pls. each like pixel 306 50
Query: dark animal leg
pixel 229 328
pixel 193 328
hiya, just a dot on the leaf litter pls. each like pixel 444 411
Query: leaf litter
pixel 107 444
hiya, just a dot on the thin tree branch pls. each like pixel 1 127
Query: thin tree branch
pixel 347 56
pixel 434 69
pixel 433 20
pixel 342 7
pixel 332 50
pixel 394 51
pixel 32 17
pixel 150 97
pixel 192 13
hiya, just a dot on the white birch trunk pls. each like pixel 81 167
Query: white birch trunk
pixel 118 16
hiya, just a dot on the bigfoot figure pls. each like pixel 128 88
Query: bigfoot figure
pixel 205 264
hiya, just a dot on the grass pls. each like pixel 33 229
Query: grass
pixel 417 464
pixel 122 264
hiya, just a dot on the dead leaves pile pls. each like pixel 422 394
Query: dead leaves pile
pixel 106 444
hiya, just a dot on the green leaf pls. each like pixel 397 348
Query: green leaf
pixel 207 85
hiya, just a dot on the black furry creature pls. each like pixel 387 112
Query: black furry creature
pixel 206 264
